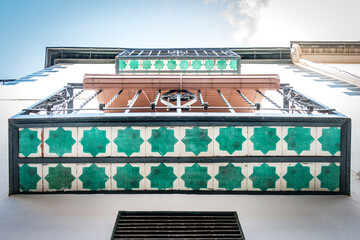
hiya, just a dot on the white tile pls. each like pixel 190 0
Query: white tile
pixel 193 179
pixel 114 171
pixel 324 187
pixel 323 151
pixel 150 168
pixel 293 150
pixel 28 150
pixel 286 186
pixel 94 149
pixel 196 150
pixel 261 187
pixel 241 187
pixel 58 151
pixel 172 150
pixel 25 186
pixel 137 149
pixel 260 149
pixel 228 151
pixel 91 181
pixel 50 187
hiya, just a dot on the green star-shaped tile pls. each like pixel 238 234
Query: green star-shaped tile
pixel 159 64
pixel 60 177
pixel 28 142
pixel 28 178
pixel 196 177
pixel 221 64
pixel 94 141
pixel 171 64
pixel 162 177
pixel 209 64
pixel 184 64
pixel 264 177
pixel 230 177
pixel 60 141
pixel 162 140
pixel 146 64
pixel 196 140
pixel 233 64
pixel 299 139
pixel 134 64
pixel 196 64
pixel 264 139
pixel 330 177
pixel 330 140
pixel 94 177
pixel 128 141
pixel 122 64
pixel 128 177
pixel 298 177
pixel 230 139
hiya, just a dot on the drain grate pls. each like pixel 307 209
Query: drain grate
pixel 179 225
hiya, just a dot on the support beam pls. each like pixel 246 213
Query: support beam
pixel 133 101
pixel 226 102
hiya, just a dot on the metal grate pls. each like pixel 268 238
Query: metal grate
pixel 177 225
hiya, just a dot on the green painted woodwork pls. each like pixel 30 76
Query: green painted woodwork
pixel 330 140
pixel 28 142
pixel 94 177
pixel 298 177
pixel 128 177
pixel 230 177
pixel 128 141
pixel 221 64
pixel 134 64
pixel 233 64
pixel 196 65
pixel 196 140
pixel 264 177
pixel 299 139
pixel 184 64
pixel 159 64
pixel 230 139
pixel 209 64
pixel 330 177
pixel 60 177
pixel 146 64
pixel 162 177
pixel 196 177
pixel 122 64
pixel 171 64
pixel 60 141
pixel 265 139
pixel 162 140
pixel 94 141
pixel 28 178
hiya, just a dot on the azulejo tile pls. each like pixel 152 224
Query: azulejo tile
pixel 30 178
pixel 230 176
pixel 299 141
pixel 264 141
pixel 162 176
pixel 264 176
pixel 196 176
pixel 196 141
pixel 327 177
pixel 94 141
pixel 60 142
pixel 230 141
pixel 162 141
pixel 30 142
pixel 127 176
pixel 298 177
pixel 93 177
pixel 328 141
pixel 128 141
pixel 59 177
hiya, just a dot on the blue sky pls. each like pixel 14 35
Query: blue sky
pixel 27 27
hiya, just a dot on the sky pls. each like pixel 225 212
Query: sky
pixel 28 27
